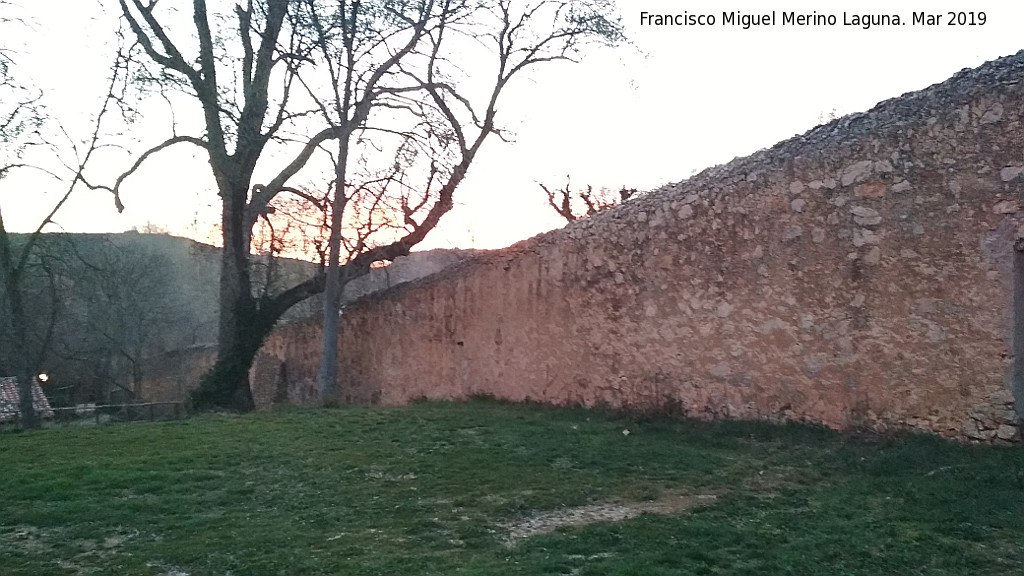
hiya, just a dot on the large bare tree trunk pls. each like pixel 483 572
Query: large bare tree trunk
pixel 328 375
pixel 336 280
pixel 240 333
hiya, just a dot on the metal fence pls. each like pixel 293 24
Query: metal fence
pixel 95 414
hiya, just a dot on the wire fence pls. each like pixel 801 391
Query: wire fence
pixel 96 414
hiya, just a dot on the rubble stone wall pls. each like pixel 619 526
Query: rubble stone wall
pixel 859 275
pixel 171 376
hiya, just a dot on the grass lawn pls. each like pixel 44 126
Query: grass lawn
pixel 441 488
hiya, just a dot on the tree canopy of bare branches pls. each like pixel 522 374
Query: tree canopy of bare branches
pixel 392 99
pixel 26 126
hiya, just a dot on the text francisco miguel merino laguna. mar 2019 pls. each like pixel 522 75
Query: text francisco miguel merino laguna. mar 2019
pixel 781 18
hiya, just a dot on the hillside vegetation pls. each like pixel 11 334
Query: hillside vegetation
pixel 102 305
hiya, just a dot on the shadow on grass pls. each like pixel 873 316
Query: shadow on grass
pixel 432 488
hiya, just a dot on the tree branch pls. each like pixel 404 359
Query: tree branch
pixel 115 190
pixel 173 60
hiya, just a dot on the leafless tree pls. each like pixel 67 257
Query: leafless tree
pixel 562 200
pixel 123 304
pixel 389 91
pixel 25 125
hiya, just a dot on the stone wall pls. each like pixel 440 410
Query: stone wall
pixel 403 269
pixel 171 376
pixel 859 276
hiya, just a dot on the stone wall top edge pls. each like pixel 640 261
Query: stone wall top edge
pixel 1003 77
pixel 473 258
pixel 993 79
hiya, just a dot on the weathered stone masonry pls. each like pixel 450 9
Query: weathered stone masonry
pixel 859 275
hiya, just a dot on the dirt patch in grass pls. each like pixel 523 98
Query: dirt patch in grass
pixel 53 543
pixel 614 511
pixel 26 539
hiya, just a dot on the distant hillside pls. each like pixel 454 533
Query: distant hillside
pixel 102 303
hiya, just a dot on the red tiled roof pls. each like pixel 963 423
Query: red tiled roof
pixel 9 400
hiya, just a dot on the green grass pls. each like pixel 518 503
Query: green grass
pixel 426 489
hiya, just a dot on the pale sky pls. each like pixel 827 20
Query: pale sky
pixel 676 101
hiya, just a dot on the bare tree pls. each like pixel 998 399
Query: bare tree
pixel 123 305
pixel 24 125
pixel 562 200
pixel 21 119
pixel 380 88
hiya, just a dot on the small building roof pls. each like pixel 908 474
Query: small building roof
pixel 10 407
